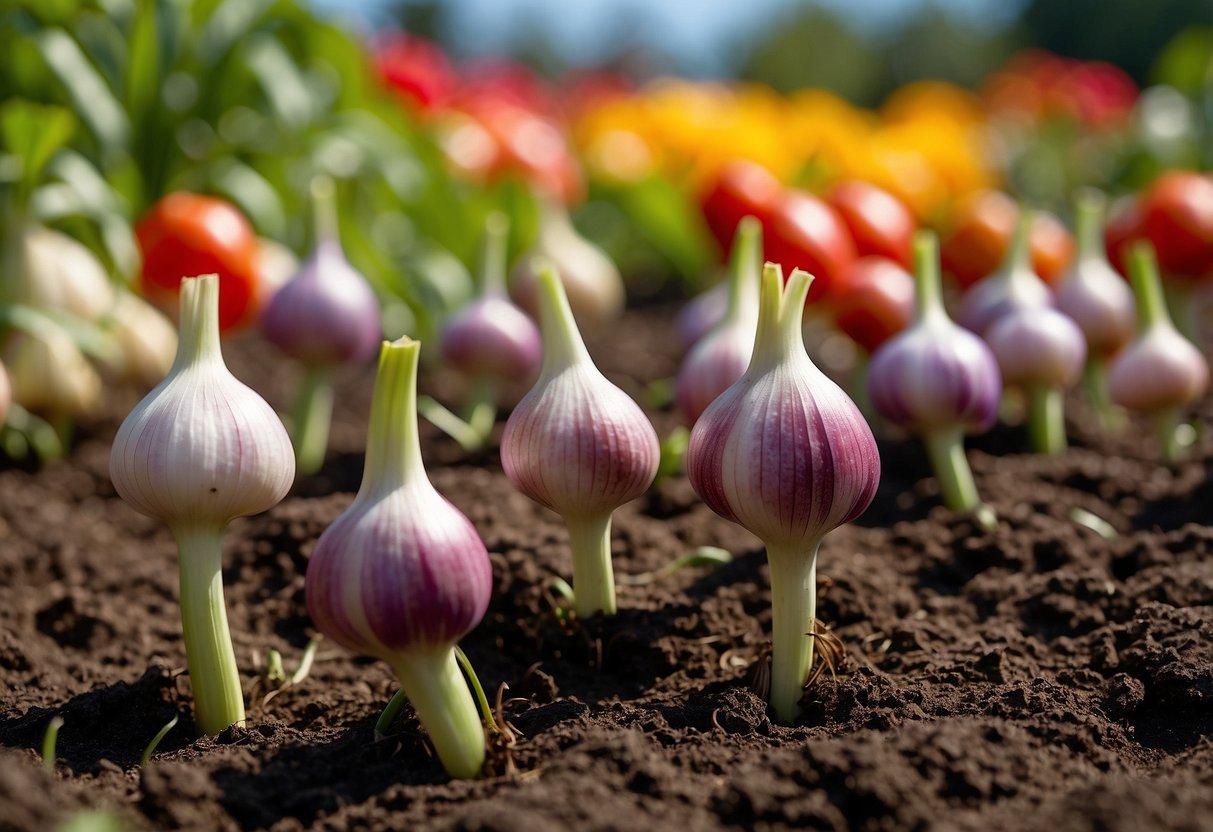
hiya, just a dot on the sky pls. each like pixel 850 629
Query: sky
pixel 702 36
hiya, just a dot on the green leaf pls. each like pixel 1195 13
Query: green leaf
pixel 255 196
pixel 143 75
pixel 33 133
pixel 665 216
pixel 280 80
pixel 91 98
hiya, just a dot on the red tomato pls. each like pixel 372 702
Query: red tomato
pixel 806 233
pixel 185 235
pixel 982 231
pixel 1177 217
pixel 417 70
pixel 876 302
pixel 879 222
pixel 741 188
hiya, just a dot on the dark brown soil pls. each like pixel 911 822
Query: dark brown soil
pixel 1040 676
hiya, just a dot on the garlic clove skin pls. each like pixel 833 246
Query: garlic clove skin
pixel 701 314
pixel 933 376
pixel 1159 371
pixel 50 375
pixel 492 338
pixel 63 274
pixel 1092 293
pixel 327 314
pixel 591 281
pixel 201 448
pixel 1038 347
pixel 147 339
pixel 784 452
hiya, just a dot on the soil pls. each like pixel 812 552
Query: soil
pixel 1038 676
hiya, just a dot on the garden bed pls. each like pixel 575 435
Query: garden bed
pixel 1041 676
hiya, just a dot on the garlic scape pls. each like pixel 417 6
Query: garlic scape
pixel 1013 286
pixel 938 380
pixel 1161 371
pixel 720 357
pixel 580 446
pixel 325 317
pixel 198 451
pixel 402 575
pixel 787 455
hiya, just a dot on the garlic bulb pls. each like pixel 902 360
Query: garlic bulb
pixel 938 380
pixel 402 575
pixel 591 282
pixel 1014 286
pixel 579 446
pixel 198 451
pixel 787 455
pixel 146 339
pixel 325 317
pixel 62 274
pixel 721 356
pixel 1161 371
pixel 50 375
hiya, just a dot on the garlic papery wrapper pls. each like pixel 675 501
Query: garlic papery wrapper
pixel 50 375
pixel 490 340
pixel 199 450
pixel 590 279
pixel 785 453
pixel 938 380
pixel 1161 371
pixel 1014 286
pixel 721 356
pixel 57 272
pixel 146 338
pixel 402 575
pixel 580 446
pixel 325 317
pixel 1042 352
pixel 1096 298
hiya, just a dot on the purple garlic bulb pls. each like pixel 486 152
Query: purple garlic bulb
pixel 1014 286
pixel 786 454
pixel 701 314
pixel 580 446
pixel 491 338
pixel 721 356
pixel 1092 293
pixel 326 315
pixel 938 380
pixel 402 575
pixel 1161 371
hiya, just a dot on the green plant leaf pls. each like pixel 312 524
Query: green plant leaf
pixel 664 215
pixel 91 98
pixel 33 133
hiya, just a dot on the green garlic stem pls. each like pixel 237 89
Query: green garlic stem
pixel 390 713
pixel 780 315
pixel 593 574
pixel 1095 383
pixel 1166 426
pixel 493 255
pixel 214 677
pixel 312 417
pixel 1088 222
pixel 480 409
pixel 563 346
pixel 793 613
pixel 439 694
pixel 1148 291
pixel 744 270
pixel 1046 419
pixel 324 209
pixel 945 447
pixel 393 449
pixel 928 284
pixel 1019 255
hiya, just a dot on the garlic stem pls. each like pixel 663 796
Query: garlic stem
pixel 945 447
pixel 439 694
pixel 562 342
pixel 793 613
pixel 1019 255
pixel 1147 289
pixel 1088 222
pixel 324 210
pixel 480 409
pixel 928 285
pixel 198 330
pixel 214 677
pixel 493 255
pixel 780 315
pixel 393 449
pixel 1046 419
pixel 313 413
pixel 593 574
pixel 743 280
pixel 1166 427
pixel 1095 383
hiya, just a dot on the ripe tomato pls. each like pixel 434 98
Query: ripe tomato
pixel 876 302
pixel 982 231
pixel 1177 217
pixel 184 235
pixel 806 233
pixel 740 188
pixel 879 222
